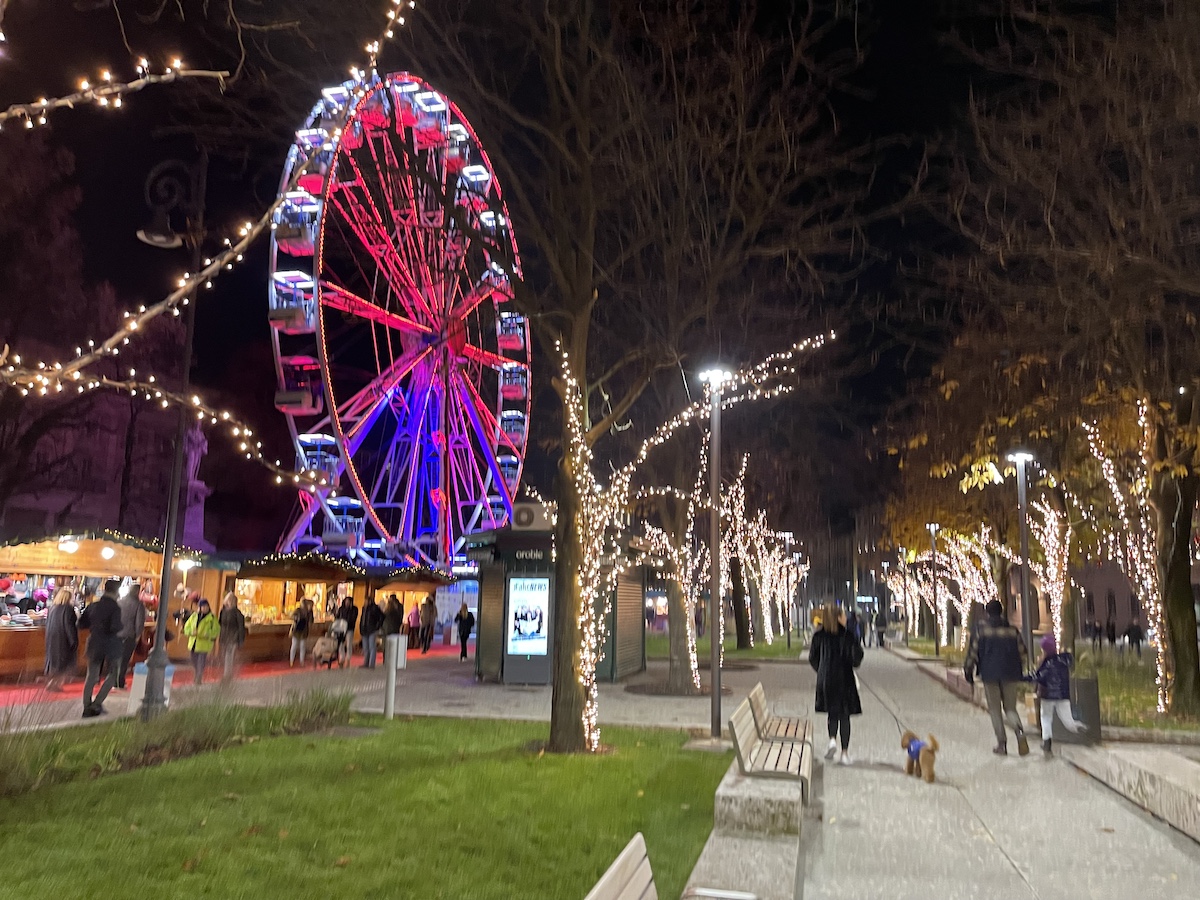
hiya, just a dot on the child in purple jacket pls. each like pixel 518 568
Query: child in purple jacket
pixel 1053 678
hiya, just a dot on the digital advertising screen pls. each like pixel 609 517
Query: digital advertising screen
pixel 528 616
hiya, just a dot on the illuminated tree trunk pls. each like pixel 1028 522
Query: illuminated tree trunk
pixel 741 621
pixel 1175 508
pixel 679 673
pixel 567 734
pixel 1070 618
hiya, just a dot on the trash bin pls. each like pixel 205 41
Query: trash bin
pixel 137 690
pixel 1085 704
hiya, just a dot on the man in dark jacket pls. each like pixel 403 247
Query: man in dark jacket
pixel 999 655
pixel 348 613
pixel 133 623
pixel 372 621
pixel 103 621
pixel 1135 636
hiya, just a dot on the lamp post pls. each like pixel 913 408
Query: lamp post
pixel 885 604
pixel 907 623
pixel 170 186
pixel 714 379
pixel 938 627
pixel 787 607
pixel 1022 457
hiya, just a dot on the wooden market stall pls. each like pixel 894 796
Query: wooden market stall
pixel 270 588
pixel 37 567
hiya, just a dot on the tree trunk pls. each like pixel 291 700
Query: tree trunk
pixel 757 630
pixel 679 672
pixel 1001 568
pixel 741 621
pixel 1177 503
pixel 567 733
pixel 926 621
pixel 1070 618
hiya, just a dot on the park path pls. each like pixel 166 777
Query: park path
pixel 992 827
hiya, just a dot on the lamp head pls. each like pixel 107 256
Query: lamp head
pixel 159 233
pixel 715 377
pixel 1020 455
pixel 933 527
pixel 185 565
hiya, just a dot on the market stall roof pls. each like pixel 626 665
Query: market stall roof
pixel 95 551
pixel 320 567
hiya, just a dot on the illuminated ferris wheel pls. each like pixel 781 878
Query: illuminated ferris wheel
pixel 403 369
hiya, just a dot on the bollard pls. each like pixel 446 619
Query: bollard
pixel 391 646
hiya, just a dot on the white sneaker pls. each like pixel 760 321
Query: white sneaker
pixel 832 749
pixel 844 759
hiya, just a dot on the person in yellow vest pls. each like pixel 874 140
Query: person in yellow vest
pixel 201 630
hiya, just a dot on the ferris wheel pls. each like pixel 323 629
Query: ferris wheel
pixel 402 366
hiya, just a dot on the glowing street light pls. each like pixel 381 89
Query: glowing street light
pixel 714 379
pixel 938 626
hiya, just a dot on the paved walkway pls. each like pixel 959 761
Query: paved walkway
pixel 991 827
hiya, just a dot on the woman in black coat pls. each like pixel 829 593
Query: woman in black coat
pixel 834 655
pixel 62 640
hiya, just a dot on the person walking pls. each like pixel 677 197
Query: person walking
pixel 368 626
pixel 1110 631
pixel 133 623
pixel 299 632
pixel 1053 679
pixel 62 640
pixel 414 626
pixel 232 634
pixel 202 630
pixel 428 617
pixel 103 623
pixel 880 627
pixel 1134 635
pixel 998 654
pixel 834 654
pixel 1097 635
pixel 348 613
pixel 465 620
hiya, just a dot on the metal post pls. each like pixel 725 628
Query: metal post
pixel 1026 619
pixel 787 611
pixel 714 553
pixel 391 647
pixel 154 701
pixel 937 626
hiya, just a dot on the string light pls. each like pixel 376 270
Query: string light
pixel 107 94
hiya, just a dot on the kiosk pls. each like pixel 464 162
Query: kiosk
pixel 515 622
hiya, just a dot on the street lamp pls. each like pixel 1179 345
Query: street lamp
pixel 714 379
pixel 1021 457
pixel 938 626
pixel 787 611
pixel 173 185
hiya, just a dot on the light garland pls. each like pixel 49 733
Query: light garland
pixel 104 92
pixel 1135 547
pixel 603 519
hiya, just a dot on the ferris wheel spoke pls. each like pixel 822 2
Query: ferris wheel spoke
pixel 336 297
pixel 485 290
pixel 470 476
pixel 374 237
pixel 486 357
pixel 478 413
pixel 364 407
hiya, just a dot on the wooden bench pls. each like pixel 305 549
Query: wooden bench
pixel 769 759
pixel 777 728
pixel 631 878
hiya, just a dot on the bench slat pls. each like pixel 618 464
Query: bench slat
pixel 641 885
pixel 622 872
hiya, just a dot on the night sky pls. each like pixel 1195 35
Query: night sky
pixel 906 88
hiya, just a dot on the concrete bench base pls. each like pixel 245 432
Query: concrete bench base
pixel 764 866
pixel 1160 781
pixel 765 806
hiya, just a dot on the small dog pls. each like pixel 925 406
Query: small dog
pixel 920 755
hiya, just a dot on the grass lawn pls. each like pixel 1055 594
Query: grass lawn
pixel 658 646
pixel 428 808
pixel 924 646
pixel 1128 696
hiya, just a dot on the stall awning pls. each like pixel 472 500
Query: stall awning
pixel 314 567
pixel 101 552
